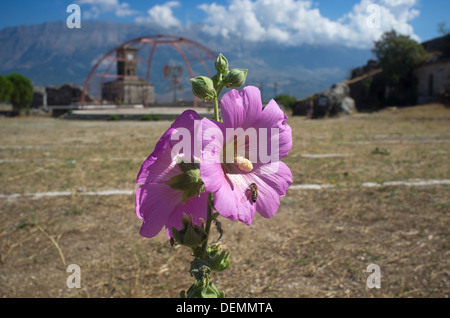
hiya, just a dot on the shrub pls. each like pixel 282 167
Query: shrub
pixel 146 117
pixel 22 93
pixel 6 88
pixel 286 100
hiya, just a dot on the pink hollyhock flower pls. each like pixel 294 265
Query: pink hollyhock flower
pixel 161 199
pixel 233 182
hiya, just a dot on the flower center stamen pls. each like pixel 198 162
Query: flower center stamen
pixel 243 163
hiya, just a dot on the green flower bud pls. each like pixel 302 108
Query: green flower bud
pixel 235 78
pixel 200 270
pixel 203 287
pixel 201 290
pixel 211 291
pixel 203 87
pixel 217 257
pixel 216 81
pixel 190 235
pixel 221 65
pixel 189 181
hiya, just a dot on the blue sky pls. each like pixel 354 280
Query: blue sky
pixel 321 20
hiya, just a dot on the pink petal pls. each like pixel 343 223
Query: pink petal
pixel 159 170
pixel 273 117
pixel 241 110
pixel 157 167
pixel 210 168
pixel 195 206
pixel 272 180
pixel 232 200
pixel 252 103
pixel 268 200
pixel 153 203
pixel 212 176
pixel 277 175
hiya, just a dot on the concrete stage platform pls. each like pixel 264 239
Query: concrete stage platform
pixel 123 113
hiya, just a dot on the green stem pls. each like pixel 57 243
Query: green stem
pixel 216 103
pixel 209 219
pixel 210 202
pixel 216 108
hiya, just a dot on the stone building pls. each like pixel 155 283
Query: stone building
pixel 64 95
pixel 39 97
pixel 331 102
pixel 433 77
pixel 128 89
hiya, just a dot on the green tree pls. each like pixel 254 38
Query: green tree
pixel 442 28
pixel 286 100
pixel 6 88
pixel 398 56
pixel 22 93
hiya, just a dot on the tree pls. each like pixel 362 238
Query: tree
pixel 22 93
pixel 286 100
pixel 6 88
pixel 398 56
pixel 442 28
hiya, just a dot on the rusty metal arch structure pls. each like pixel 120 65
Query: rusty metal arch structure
pixel 180 44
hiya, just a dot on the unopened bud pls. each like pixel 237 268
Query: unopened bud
pixel 218 257
pixel 221 65
pixel 203 87
pixel 235 78
pixel 189 181
pixel 190 235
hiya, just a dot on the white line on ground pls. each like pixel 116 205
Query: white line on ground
pixel 325 155
pixel 84 159
pixel 403 183
pixel 310 186
pixel 39 195
pixel 424 141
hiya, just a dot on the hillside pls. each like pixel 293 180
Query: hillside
pixel 52 54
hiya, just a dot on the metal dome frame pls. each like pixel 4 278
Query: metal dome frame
pixel 178 43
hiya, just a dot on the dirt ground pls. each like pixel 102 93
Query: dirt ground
pixel 319 244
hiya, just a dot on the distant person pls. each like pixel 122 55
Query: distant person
pixel 309 109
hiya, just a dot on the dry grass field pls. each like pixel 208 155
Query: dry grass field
pixel 55 210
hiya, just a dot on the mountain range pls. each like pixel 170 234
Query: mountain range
pixel 51 54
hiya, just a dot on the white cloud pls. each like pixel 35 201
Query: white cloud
pixel 98 7
pixel 296 22
pixel 162 15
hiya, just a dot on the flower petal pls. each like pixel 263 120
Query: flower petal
pixel 240 110
pixel 232 200
pixel 273 116
pixel 152 203
pixel 212 145
pixel 157 168
pixel 268 200
pixel 272 181
pixel 195 206
pixel 277 175
pixel 160 169
pixel 252 103
pixel 160 147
